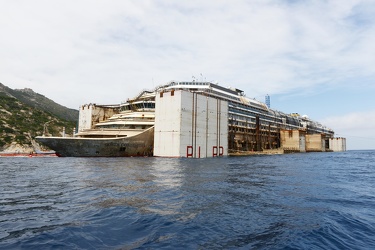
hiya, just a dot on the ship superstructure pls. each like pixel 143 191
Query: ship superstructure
pixel 126 129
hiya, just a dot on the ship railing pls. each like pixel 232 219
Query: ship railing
pixel 149 91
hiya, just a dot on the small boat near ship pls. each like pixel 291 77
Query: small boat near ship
pixel 33 154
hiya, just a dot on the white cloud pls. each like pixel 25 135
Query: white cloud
pixel 357 127
pixel 100 51
pixel 351 121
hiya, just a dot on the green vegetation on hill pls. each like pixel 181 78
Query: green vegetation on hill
pixel 39 101
pixel 21 122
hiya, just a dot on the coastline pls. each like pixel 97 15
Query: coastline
pixel 16 154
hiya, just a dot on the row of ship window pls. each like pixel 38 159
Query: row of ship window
pixel 123 127
pixel 144 105
pixel 246 114
pixel 189 83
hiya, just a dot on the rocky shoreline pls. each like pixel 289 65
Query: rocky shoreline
pixel 15 149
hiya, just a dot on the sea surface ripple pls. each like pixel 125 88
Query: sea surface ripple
pixel 293 201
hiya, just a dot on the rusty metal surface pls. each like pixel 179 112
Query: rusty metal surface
pixel 138 145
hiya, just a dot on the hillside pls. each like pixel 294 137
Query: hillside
pixel 24 118
pixel 38 101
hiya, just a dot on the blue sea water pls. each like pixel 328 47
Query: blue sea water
pixel 293 201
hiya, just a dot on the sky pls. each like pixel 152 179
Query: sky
pixel 315 58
